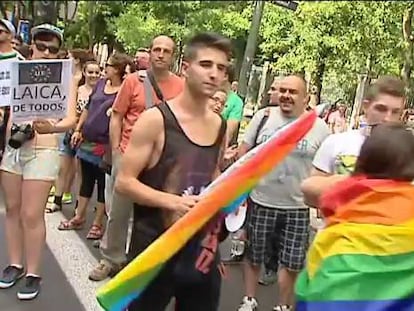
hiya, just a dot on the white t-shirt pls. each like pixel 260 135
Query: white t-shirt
pixel 338 153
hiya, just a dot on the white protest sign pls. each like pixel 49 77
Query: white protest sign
pixel 40 89
pixel 6 81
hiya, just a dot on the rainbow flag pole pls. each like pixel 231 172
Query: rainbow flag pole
pixel 128 284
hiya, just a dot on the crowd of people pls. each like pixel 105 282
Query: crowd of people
pixel 150 141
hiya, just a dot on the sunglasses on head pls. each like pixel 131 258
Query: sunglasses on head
pixel 43 47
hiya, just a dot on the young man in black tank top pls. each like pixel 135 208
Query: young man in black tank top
pixel 173 154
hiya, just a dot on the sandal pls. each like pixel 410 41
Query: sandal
pixel 72 224
pixel 52 208
pixel 95 233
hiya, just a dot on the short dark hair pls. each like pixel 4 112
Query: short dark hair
pixel 83 55
pixel 18 38
pixel 231 73
pixel 388 85
pixel 120 61
pixel 24 50
pixel 387 153
pixel 207 40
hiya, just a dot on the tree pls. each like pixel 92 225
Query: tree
pixel 343 38
pixel 408 47
pixel 93 24
pixel 180 19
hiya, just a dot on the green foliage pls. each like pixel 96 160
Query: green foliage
pixel 334 40
pixel 77 32
pixel 180 19
pixel 347 37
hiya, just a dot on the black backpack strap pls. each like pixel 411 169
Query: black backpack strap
pixel 222 131
pixel 149 101
pixel 262 124
pixel 155 86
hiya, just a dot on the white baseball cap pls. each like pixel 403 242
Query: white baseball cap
pixel 48 28
pixel 9 26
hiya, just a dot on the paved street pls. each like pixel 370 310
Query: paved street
pixel 68 259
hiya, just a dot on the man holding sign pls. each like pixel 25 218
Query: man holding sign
pixel 31 160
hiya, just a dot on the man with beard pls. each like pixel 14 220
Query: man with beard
pixel 276 205
pixel 174 153
pixel 133 97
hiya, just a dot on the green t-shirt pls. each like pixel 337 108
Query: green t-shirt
pixel 233 110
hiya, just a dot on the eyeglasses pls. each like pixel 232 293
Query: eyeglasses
pixel 218 100
pixel 43 47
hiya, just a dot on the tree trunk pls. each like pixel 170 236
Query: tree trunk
pixel 317 80
pixel 91 5
pixel 408 46
pixel 66 12
pixel 3 9
pixel 251 46
pixel 32 12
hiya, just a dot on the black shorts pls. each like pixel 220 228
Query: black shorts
pixel 192 291
pixel 201 296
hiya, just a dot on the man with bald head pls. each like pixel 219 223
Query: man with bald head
pixel 135 95
pixel 276 205
pixel 142 59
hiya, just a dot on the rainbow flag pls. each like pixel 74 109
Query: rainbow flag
pixel 233 184
pixel 364 259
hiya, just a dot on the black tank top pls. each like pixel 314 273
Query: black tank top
pixel 183 168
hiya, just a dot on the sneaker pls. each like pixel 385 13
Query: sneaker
pixel 96 243
pixel 268 278
pixel 10 276
pixel 31 288
pixel 236 252
pixel 248 304
pixel 52 191
pixel 102 271
pixel 282 308
pixel 67 198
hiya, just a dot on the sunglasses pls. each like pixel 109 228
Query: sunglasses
pixel 43 47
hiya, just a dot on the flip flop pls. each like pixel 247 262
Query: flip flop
pixel 72 224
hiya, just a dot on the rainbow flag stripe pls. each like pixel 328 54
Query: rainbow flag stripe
pixel 364 259
pixel 238 181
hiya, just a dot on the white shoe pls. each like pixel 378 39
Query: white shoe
pixel 282 308
pixel 248 304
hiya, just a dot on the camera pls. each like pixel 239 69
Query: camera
pixel 20 134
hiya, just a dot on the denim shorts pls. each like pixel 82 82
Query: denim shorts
pixel 65 149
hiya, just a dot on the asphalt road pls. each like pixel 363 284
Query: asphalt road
pixel 67 261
